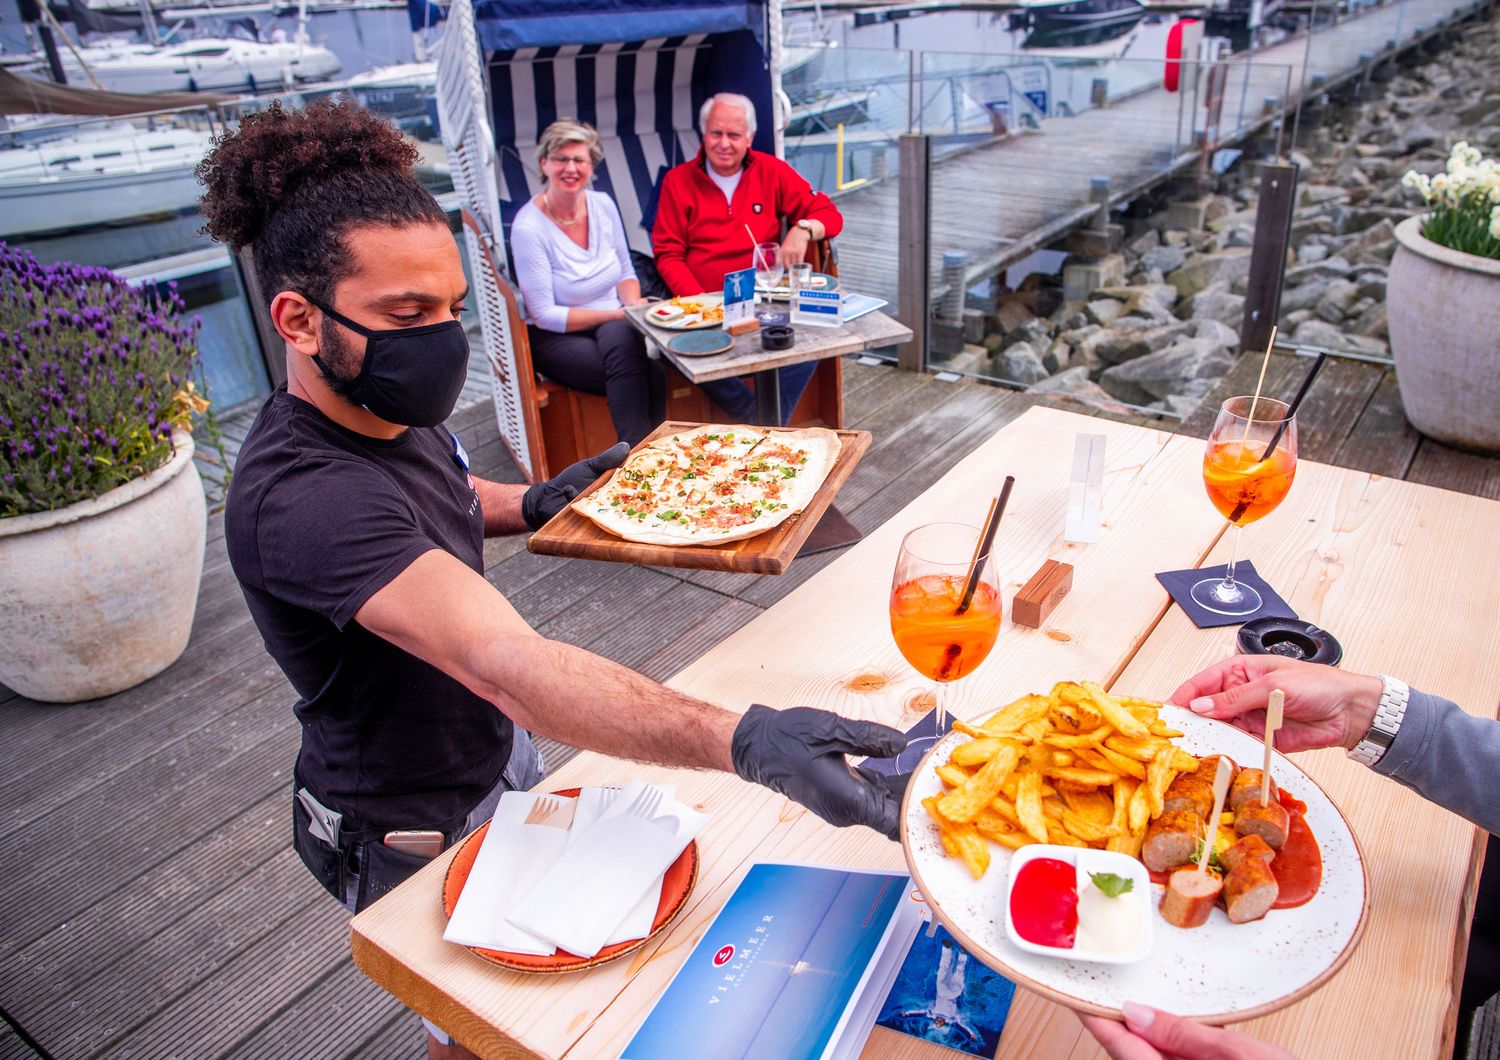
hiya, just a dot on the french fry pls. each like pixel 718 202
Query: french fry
pixel 1140 810
pixel 1084 829
pixel 1081 740
pixel 1094 805
pixel 1063 758
pixel 1122 763
pixel 1142 749
pixel 1029 806
pixel 975 752
pixel 952 776
pixel 1010 718
pixel 1159 774
pixel 1113 712
pixel 962 804
pixel 1034 730
pixel 972 849
pixel 1058 835
pixel 1087 777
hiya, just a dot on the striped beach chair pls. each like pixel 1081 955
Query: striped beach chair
pixel 638 73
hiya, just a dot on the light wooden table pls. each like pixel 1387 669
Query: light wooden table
pixel 746 357
pixel 1404 575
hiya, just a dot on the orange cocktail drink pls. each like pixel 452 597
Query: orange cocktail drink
pixel 1242 485
pixel 940 643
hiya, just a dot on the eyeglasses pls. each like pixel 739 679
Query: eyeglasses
pixel 581 163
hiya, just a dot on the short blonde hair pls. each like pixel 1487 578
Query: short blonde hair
pixel 565 131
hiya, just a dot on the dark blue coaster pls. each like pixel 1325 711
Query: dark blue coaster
pixel 919 740
pixel 1180 584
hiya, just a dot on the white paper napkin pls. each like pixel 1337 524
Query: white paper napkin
pixel 638 921
pixel 607 873
pixel 512 857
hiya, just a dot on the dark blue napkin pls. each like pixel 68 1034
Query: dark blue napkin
pixel 1180 584
pixel 919 740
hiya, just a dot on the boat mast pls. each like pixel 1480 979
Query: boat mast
pixel 148 22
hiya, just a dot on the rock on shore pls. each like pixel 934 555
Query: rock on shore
pixel 1164 338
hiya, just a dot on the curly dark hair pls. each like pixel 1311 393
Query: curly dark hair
pixel 291 184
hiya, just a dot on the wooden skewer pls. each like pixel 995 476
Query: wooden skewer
pixel 1273 722
pixel 1254 400
pixel 1221 789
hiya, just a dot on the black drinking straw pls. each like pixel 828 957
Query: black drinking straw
pixel 984 545
pixel 1291 410
pixel 1307 382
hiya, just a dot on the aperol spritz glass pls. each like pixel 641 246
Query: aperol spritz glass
pixel 1245 480
pixel 944 644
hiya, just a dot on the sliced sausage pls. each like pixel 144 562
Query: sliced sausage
pixel 1246 786
pixel 1248 846
pixel 1170 840
pixel 1208 768
pixel 1250 890
pixel 1190 897
pixel 1270 822
pixel 1190 792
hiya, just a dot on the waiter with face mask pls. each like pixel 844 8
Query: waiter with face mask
pixel 356 532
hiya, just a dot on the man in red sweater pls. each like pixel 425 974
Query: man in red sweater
pixel 707 204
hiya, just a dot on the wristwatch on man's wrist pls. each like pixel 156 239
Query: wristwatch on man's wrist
pixel 1386 723
pixel 806 226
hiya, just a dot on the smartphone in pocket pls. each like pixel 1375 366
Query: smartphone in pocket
pixel 417 842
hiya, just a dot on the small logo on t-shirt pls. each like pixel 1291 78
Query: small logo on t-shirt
pixel 757 208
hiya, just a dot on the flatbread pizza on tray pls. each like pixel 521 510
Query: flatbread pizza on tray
pixel 712 484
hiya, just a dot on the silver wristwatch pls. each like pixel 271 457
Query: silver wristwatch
pixel 1385 724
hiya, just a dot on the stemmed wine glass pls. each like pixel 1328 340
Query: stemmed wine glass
pixel 942 641
pixel 768 265
pixel 1246 478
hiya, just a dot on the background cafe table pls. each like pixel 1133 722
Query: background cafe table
pixel 1348 550
pixel 745 357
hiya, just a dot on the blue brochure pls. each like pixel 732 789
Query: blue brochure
pixel 795 965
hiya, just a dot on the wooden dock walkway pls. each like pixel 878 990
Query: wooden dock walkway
pixel 153 905
pixel 999 201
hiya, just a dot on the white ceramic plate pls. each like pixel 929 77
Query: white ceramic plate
pixel 692 321
pixel 1218 973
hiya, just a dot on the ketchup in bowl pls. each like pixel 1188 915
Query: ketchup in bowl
pixel 1044 902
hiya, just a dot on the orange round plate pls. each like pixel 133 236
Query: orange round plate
pixel 676 887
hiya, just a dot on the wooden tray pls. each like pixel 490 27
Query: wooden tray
pixel 570 534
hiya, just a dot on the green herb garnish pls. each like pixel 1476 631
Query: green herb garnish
pixel 1111 885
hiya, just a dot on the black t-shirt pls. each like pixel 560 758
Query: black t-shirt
pixel 319 519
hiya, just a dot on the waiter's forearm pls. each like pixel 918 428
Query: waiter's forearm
pixel 585 700
pixel 501 504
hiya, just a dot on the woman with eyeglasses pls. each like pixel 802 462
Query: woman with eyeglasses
pixel 573 268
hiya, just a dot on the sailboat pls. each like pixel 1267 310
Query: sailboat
pixel 203 64
pixel 98 174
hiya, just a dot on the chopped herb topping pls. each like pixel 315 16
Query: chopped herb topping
pixel 1111 885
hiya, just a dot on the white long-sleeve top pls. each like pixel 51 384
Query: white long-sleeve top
pixel 555 274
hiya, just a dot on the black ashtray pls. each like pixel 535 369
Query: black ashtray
pixel 777 337
pixel 1291 638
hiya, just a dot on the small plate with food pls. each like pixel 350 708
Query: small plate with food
pixel 1276 908
pixel 781 291
pixel 688 313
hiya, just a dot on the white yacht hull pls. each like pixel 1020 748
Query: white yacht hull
pixel 86 200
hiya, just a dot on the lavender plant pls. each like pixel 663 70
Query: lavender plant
pixel 94 375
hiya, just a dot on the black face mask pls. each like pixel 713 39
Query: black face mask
pixel 410 376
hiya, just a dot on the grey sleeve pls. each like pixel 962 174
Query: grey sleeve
pixel 1448 757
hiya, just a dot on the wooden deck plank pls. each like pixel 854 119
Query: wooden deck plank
pixel 92 935
pixel 1380 441
pixel 327 1019
pixel 12 1047
pixel 265 976
pixel 1441 465
pixel 132 822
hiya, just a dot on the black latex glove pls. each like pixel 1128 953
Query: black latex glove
pixel 800 753
pixel 545 499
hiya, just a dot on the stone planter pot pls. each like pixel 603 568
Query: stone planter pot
pixel 99 596
pixel 1444 311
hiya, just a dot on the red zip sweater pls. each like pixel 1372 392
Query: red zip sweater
pixel 698 237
